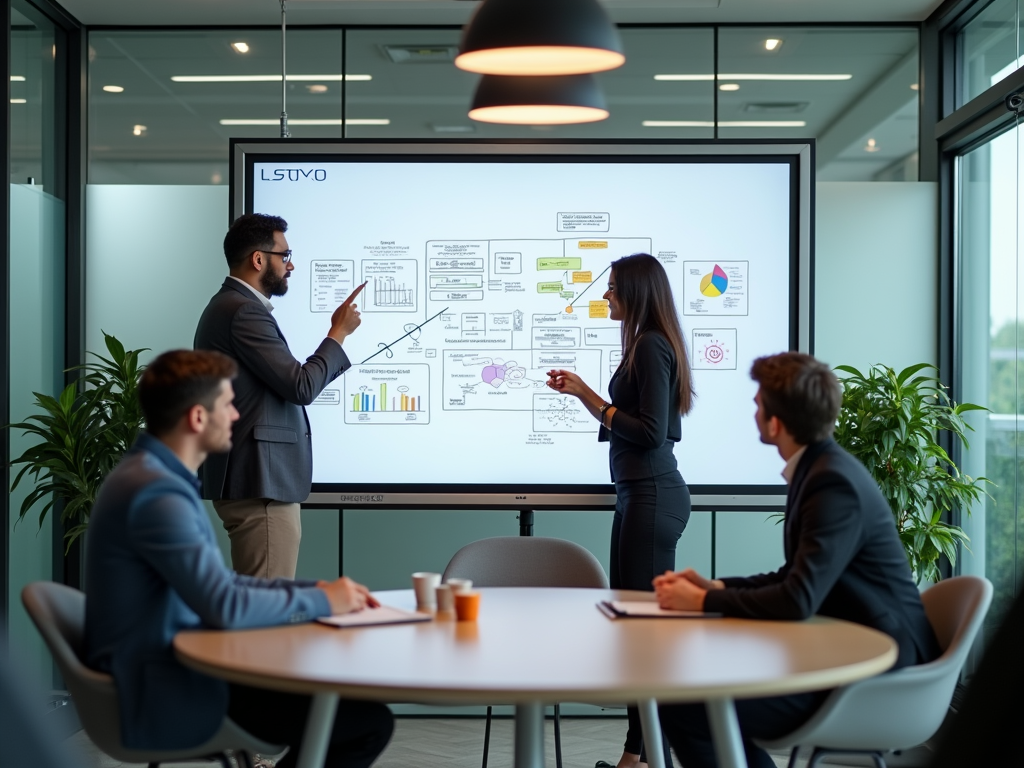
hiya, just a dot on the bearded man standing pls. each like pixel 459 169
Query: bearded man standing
pixel 257 487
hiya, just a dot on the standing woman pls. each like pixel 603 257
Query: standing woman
pixel 650 392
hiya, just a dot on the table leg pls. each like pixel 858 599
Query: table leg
pixel 319 723
pixel 652 733
pixel 529 735
pixel 725 732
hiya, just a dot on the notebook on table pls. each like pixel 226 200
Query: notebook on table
pixel 639 609
pixel 369 617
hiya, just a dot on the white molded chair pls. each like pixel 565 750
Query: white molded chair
pixel 905 708
pixel 527 561
pixel 58 612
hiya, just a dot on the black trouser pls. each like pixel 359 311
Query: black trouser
pixel 650 515
pixel 688 730
pixel 361 728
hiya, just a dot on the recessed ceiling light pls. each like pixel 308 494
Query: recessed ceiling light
pixel 19 101
pixel 241 47
pixel 17 78
pixel 139 130
pixel 113 88
pixel 454 128
pixel 772 44
pixel 914 86
pixel 318 88
pixel 724 124
pixel 266 78
pixel 872 146
pixel 729 87
pixel 753 76
pixel 330 121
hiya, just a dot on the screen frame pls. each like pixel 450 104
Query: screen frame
pixel 800 154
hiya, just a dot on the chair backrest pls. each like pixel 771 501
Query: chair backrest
pixel 58 612
pixel 956 608
pixel 527 561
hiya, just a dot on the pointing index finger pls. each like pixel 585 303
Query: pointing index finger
pixel 356 292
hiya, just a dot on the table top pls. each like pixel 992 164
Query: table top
pixel 544 644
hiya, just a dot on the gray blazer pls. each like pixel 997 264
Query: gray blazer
pixel 272 454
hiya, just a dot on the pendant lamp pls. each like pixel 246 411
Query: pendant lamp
pixel 547 100
pixel 539 37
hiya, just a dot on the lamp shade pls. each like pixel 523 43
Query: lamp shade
pixel 539 37
pixel 548 100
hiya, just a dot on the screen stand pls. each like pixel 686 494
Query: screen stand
pixel 526 522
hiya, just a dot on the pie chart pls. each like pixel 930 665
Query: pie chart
pixel 714 283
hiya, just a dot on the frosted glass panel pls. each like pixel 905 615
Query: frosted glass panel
pixel 36 363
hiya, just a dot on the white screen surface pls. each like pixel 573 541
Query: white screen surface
pixel 481 261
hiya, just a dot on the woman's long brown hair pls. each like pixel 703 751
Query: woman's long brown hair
pixel 645 297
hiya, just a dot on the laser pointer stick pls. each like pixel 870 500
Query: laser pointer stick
pixel 387 347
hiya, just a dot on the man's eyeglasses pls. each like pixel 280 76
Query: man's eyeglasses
pixel 286 256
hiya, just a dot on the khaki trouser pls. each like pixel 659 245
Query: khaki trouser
pixel 264 536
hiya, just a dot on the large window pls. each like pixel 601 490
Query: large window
pixel 151 122
pixel 992 349
pixel 988 48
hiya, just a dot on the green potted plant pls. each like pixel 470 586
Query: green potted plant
pixel 81 435
pixel 892 422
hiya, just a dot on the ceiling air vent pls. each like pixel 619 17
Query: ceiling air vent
pixel 421 54
pixel 776 107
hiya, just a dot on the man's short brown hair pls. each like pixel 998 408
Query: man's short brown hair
pixel 802 392
pixel 178 380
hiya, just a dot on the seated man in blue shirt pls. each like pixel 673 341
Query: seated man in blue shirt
pixel 153 569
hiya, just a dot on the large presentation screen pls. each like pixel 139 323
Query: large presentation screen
pixel 485 266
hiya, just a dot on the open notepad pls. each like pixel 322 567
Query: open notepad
pixel 369 617
pixel 636 609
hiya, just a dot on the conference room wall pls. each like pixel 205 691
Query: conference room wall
pixel 153 260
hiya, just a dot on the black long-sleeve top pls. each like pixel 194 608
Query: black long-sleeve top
pixel 647 423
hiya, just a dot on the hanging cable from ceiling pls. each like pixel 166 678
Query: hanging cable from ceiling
pixel 285 133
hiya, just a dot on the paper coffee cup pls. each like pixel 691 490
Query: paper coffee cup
pixel 445 599
pixel 461 585
pixel 424 584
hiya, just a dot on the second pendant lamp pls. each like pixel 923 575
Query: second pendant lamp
pixel 540 37
pixel 543 100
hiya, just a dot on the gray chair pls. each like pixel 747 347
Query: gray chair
pixel 59 614
pixel 527 561
pixel 904 708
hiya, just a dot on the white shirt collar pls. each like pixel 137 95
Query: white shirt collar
pixel 257 294
pixel 790 469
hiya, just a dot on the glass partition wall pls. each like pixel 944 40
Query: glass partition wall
pixel 36 292
pixel 162 104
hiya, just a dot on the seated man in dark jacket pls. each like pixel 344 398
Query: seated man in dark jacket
pixel 843 556
pixel 153 569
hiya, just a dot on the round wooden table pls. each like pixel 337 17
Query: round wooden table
pixel 536 646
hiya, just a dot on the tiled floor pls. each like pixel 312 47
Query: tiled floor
pixel 458 743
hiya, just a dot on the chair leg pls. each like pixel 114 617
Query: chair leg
pixel 242 758
pixel 816 757
pixel 792 757
pixel 487 736
pixel 558 737
pixel 820 754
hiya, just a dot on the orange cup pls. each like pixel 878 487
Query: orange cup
pixel 467 605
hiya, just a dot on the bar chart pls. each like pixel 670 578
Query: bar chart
pixel 387 394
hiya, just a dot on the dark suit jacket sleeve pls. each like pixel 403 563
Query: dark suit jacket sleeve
pixel 165 531
pixel 652 375
pixel 829 534
pixel 258 346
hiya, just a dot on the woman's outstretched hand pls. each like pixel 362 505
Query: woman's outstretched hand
pixel 567 383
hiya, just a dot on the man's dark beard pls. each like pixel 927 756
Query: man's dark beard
pixel 272 284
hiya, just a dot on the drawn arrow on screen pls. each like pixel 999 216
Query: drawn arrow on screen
pixel 591 285
pixel 387 347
